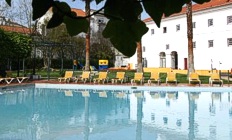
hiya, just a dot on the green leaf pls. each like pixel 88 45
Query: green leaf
pixel 112 9
pixel 76 26
pixel 59 12
pixel 98 1
pixel 201 1
pixel 8 2
pixel 173 6
pixel 40 7
pixel 62 7
pixel 125 35
pixel 128 10
pixel 55 21
pixel 158 8
pixel 155 8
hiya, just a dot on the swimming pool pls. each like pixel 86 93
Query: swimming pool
pixel 84 112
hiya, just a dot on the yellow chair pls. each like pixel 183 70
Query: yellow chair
pixel 215 78
pixel 194 77
pixel 171 77
pixel 84 77
pixel 67 77
pixel 154 77
pixel 119 77
pixel 102 76
pixel 138 76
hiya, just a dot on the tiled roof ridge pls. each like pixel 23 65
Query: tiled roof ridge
pixel 18 29
pixel 79 12
pixel 199 7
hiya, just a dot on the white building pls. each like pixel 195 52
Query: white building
pixel 167 46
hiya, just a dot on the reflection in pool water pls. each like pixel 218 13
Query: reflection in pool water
pixel 43 113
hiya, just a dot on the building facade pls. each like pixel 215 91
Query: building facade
pixel 167 46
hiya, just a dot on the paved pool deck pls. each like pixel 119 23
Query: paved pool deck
pixel 55 81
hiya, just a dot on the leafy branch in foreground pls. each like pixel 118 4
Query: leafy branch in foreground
pixel 124 28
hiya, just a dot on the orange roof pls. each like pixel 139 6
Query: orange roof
pixel 17 29
pixel 200 7
pixel 79 12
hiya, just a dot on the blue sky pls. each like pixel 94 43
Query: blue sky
pixel 81 5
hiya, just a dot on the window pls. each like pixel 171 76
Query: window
pixel 167 46
pixel 229 20
pixel 164 29
pixel 194 24
pixel 229 42
pixel 100 20
pixel 178 27
pixel 210 43
pixel 143 48
pixel 152 31
pixel 162 60
pixel 194 44
pixel 210 22
pixel 117 57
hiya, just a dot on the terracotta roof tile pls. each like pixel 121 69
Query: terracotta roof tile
pixel 17 29
pixel 200 7
pixel 79 12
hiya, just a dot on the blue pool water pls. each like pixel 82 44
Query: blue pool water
pixel 71 112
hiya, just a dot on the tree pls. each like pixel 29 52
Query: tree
pixel 101 48
pixel 21 47
pixel 64 46
pixel 124 28
pixel 87 37
pixel 190 37
pixel 20 11
pixel 14 46
pixel 139 55
pixel 5 43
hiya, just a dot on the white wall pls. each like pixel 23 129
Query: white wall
pixel 177 40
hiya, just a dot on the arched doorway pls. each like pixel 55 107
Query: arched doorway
pixel 174 60
pixel 162 60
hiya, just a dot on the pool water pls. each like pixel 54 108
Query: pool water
pixel 32 113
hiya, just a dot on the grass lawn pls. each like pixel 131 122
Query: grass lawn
pixel 181 78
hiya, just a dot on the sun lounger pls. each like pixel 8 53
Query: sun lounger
pixel 102 77
pixel 21 79
pixel 215 79
pixel 154 78
pixel 138 76
pixel 8 80
pixel 67 77
pixel 1 79
pixel 84 77
pixel 193 78
pixel 119 77
pixel 171 77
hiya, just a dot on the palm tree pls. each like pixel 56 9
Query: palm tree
pixel 139 55
pixel 87 37
pixel 190 37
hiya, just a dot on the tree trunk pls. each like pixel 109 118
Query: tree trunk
pixel 139 57
pixel 190 37
pixel 87 39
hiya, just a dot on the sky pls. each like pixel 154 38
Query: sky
pixel 81 5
